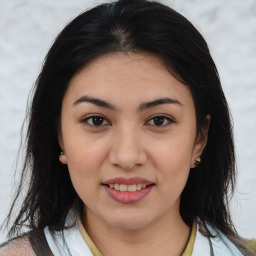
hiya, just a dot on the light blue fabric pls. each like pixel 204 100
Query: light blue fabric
pixel 221 245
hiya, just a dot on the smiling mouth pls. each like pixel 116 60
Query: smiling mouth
pixel 128 188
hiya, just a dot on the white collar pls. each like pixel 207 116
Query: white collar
pixel 221 245
pixel 71 243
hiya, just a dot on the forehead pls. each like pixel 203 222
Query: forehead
pixel 117 76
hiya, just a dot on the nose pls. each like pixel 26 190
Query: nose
pixel 127 150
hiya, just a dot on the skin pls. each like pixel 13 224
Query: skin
pixel 128 143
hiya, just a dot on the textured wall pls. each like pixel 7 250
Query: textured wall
pixel 28 27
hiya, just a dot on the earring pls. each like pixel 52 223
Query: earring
pixel 62 158
pixel 197 161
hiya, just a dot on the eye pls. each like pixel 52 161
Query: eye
pixel 160 121
pixel 95 120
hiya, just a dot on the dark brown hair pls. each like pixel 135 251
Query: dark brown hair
pixel 128 26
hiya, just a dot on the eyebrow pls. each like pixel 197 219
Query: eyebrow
pixel 157 102
pixel 95 101
pixel 142 107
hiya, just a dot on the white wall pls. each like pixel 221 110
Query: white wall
pixel 28 27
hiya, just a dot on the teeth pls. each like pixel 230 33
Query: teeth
pixel 129 188
pixel 138 186
pixel 117 187
pixel 123 187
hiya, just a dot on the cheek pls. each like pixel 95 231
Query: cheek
pixel 174 152
pixel 172 176
pixel 84 173
pixel 173 166
pixel 84 160
pixel 84 150
pixel 173 160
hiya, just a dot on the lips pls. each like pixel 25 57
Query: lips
pixel 128 190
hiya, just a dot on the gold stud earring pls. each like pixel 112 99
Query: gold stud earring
pixel 197 161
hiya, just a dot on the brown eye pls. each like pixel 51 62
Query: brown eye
pixel 96 121
pixel 160 121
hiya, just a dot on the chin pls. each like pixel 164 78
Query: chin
pixel 129 221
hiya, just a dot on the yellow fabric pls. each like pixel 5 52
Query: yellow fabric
pixel 187 252
pixel 87 239
pixel 189 248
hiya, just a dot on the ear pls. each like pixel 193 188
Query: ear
pixel 62 157
pixel 200 141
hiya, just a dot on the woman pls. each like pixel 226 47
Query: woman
pixel 129 141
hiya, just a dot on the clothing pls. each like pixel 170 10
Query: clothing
pixel 32 243
pixel 96 252
pixel 74 244
pixel 217 246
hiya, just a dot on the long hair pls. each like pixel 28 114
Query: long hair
pixel 128 26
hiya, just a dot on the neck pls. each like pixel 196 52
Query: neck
pixel 159 238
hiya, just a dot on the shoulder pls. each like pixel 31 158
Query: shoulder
pixel 218 245
pixel 32 243
pixel 222 244
pixel 17 247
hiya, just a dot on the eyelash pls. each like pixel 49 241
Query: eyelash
pixel 167 121
pixel 86 121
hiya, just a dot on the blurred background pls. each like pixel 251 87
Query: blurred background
pixel 28 28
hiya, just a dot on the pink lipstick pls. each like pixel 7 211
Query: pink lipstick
pixel 128 190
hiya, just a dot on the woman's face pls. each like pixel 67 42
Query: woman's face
pixel 127 123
